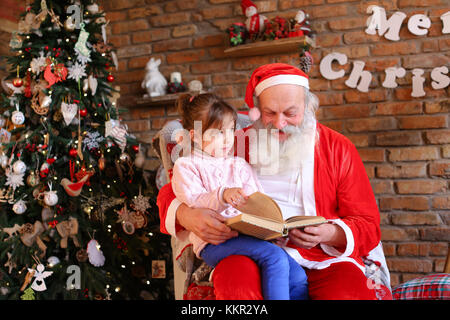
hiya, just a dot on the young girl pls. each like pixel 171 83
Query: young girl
pixel 211 177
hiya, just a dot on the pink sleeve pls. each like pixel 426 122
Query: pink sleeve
pixel 251 183
pixel 189 188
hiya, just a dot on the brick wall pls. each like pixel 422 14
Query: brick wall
pixel 403 141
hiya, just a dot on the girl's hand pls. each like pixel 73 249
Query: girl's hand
pixel 234 196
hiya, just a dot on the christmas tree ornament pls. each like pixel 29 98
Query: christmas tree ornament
pixel 10 263
pixel 77 71
pixel 83 112
pixel 237 34
pixel 110 78
pixel 81 42
pixel 44 170
pixel 58 75
pixel 96 257
pixel 14 180
pixel 141 203
pixel 92 140
pixel 16 40
pixel 17 82
pixel 19 207
pixel 4 160
pixel 53 261
pixel 73 152
pixel 92 8
pixel 74 189
pixel 68 229
pixel 33 179
pixel 69 24
pixel 69 111
pixel 46 214
pixel 140 159
pixel 124 157
pixel 19 167
pixel 50 197
pixel 102 162
pixel 28 294
pixel 39 275
pixel 30 233
pixel 17 117
pixel 82 255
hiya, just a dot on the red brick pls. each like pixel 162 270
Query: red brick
pixel 250 63
pixel 441 233
pixel 230 78
pixel 413 153
pixel 210 67
pixel 441 168
pixel 410 265
pixel 216 12
pixel 134 51
pixel 172 45
pixel 413 203
pixel 329 40
pixel 210 40
pixel 382 187
pixel 438 136
pixel 396 48
pixel 420 3
pixel 359 37
pixel 371 155
pixel 150 35
pixel 394 108
pixel 398 138
pixel 371 124
pixel 138 125
pixel 347 23
pixel 330 98
pixel 422 122
pixel 398 234
pixel 328 11
pixel 185 56
pixel 407 170
pixel 441 202
pixel 289 4
pixel 143 12
pixel 421 186
pixel 416 218
pixel 129 26
pixel 170 19
pixel 347 112
pixel 359 140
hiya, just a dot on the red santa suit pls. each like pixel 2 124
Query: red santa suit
pixel 333 183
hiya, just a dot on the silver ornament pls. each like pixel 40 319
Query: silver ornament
pixel 19 207
pixel 19 167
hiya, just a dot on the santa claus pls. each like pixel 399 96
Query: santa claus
pixel 312 170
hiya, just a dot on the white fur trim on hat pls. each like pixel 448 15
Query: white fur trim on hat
pixel 281 79
pixel 254 114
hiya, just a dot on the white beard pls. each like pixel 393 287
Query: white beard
pixel 270 156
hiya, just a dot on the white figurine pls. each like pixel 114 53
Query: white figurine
pixel 154 82
pixel 255 22
pixel 39 283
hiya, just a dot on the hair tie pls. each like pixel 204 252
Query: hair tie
pixel 191 98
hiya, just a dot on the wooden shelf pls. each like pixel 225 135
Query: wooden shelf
pixel 168 99
pixel 268 47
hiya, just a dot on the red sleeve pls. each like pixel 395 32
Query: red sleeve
pixel 164 199
pixel 357 206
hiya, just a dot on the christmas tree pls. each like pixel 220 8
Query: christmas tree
pixel 78 218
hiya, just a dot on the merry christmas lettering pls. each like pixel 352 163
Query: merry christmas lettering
pixel 360 79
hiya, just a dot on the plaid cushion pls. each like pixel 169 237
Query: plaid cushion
pixel 431 287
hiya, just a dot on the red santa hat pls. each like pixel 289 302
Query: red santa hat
pixel 245 4
pixel 270 75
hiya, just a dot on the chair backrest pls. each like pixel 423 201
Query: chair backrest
pixel 163 142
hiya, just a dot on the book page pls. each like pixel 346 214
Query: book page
pixel 261 205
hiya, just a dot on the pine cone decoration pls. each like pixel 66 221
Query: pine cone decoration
pixel 306 62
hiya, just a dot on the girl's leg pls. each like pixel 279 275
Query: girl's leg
pixel 298 284
pixel 271 259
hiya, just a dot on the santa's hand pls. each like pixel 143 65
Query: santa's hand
pixel 309 237
pixel 205 223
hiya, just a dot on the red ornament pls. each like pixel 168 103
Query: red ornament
pixel 136 148
pixel 17 82
pixel 110 78
pixel 83 112
pixel 73 152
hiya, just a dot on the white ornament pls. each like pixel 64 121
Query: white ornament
pixel 96 257
pixel 195 85
pixel 76 71
pixel 19 207
pixel 39 283
pixel 17 118
pixel 154 82
pixel 69 111
pixel 53 261
pixel 2 122
pixel 4 161
pixel 50 198
pixel 38 64
pixel 92 8
pixel 90 83
pixel 14 180
pixel 19 167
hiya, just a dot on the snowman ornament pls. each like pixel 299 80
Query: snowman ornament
pixel 40 274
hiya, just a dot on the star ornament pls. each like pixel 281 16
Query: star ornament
pixel 141 203
pixel 14 180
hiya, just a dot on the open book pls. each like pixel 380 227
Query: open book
pixel 262 218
